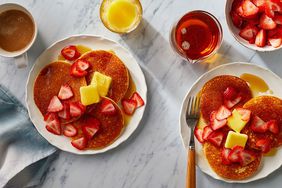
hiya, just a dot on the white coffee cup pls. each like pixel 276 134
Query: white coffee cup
pixel 20 56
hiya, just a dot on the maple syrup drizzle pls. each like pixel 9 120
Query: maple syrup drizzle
pixel 256 84
pixel 128 94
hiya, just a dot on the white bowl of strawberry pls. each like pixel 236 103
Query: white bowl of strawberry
pixel 256 24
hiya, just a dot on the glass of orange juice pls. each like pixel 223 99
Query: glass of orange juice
pixel 121 16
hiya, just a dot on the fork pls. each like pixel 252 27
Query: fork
pixel 192 116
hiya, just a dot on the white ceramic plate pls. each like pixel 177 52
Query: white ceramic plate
pixel 96 43
pixel 269 164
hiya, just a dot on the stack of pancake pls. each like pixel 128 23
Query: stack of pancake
pixel 56 74
pixel 265 107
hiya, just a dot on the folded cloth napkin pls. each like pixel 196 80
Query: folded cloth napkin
pixel 20 143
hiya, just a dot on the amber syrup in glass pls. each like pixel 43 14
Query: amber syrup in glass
pixel 197 35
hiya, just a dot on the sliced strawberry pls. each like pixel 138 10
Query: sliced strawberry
pixel 275 42
pixel 206 132
pixel 55 105
pixel 70 130
pixel 216 138
pixel 82 65
pixel 266 22
pixel 52 123
pixel 90 127
pixel 264 144
pixel 230 93
pixel 222 113
pixel 49 117
pixel 65 113
pixel 65 92
pixel 245 113
pixel 215 123
pixel 252 41
pixel 240 11
pixel 260 4
pixel 129 106
pixel 237 7
pixel 76 72
pixel 272 6
pixel 273 126
pixel 258 125
pixel 278 19
pixel 272 33
pixel 224 156
pixel 261 38
pixel 234 155
pixel 79 143
pixel 82 107
pixel 252 22
pixel 231 103
pixel 246 157
pixel 136 97
pixel 249 32
pixel 107 107
pixel 199 134
pixel 236 19
pixel 76 109
pixel 70 53
pixel 249 9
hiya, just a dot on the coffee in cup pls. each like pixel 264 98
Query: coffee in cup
pixel 17 32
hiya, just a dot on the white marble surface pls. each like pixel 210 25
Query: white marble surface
pixel 153 156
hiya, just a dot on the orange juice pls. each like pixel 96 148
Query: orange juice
pixel 121 16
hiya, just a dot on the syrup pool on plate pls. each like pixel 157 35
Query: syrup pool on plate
pixel 196 35
pixel 121 16
pixel 256 84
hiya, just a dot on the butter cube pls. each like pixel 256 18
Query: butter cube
pixel 89 95
pixel 103 83
pixel 235 139
pixel 201 123
pixel 235 122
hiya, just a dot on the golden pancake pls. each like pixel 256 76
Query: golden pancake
pixel 212 93
pixel 49 82
pixel 267 108
pixel 110 129
pixel 233 171
pixel 109 64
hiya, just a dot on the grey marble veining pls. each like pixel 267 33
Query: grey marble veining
pixel 153 156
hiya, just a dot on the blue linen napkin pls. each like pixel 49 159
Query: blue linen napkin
pixel 20 143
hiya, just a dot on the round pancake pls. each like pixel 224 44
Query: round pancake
pixel 109 64
pixel 232 171
pixel 110 129
pixel 212 93
pixel 49 82
pixel 267 108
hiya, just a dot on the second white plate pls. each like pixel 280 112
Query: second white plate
pixel 269 164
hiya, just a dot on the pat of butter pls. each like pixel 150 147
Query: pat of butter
pixel 89 95
pixel 103 83
pixel 235 122
pixel 235 139
pixel 201 123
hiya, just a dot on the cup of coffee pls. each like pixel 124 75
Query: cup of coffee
pixel 18 32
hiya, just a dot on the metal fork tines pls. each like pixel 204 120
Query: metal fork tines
pixel 192 116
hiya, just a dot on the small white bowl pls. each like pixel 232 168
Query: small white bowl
pixel 235 32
